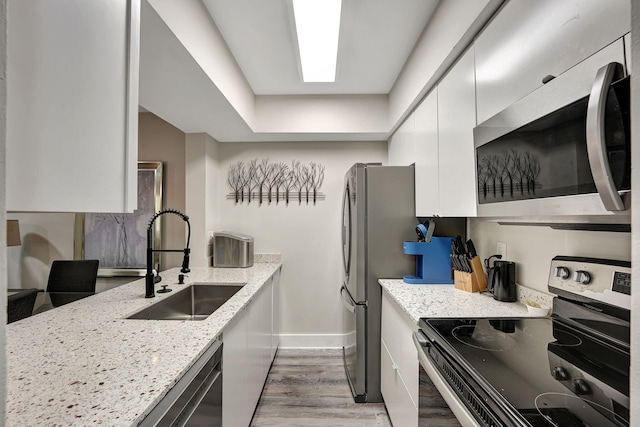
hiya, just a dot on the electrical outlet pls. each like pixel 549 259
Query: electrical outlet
pixel 501 248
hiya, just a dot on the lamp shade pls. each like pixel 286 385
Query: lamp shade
pixel 13 232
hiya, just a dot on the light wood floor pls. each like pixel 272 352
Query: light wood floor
pixel 309 388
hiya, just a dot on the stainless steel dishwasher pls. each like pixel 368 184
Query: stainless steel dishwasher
pixel 196 399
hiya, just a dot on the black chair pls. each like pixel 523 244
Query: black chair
pixel 20 304
pixel 72 280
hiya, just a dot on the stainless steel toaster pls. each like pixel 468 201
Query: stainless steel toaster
pixel 231 249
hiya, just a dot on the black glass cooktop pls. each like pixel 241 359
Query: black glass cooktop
pixel 543 371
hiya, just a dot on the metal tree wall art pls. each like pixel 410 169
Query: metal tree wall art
pixel 263 181
pixel 508 173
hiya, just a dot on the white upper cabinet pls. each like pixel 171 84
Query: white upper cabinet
pixel 456 120
pixel 72 105
pixel 401 144
pixel 426 149
pixel 445 156
pixel 528 40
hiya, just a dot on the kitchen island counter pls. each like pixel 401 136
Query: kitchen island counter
pixel 85 364
pixel 418 301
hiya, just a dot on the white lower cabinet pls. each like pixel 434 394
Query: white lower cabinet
pixel 401 408
pixel 399 365
pixel 275 319
pixel 258 343
pixel 247 355
pixel 235 400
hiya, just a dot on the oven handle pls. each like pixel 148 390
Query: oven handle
pixel 347 304
pixel 458 408
pixel 596 143
pixel 420 340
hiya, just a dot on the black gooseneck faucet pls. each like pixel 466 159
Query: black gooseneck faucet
pixel 150 278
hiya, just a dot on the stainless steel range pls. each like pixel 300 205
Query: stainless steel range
pixel 571 369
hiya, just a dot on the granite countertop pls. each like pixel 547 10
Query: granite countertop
pixel 85 364
pixel 446 301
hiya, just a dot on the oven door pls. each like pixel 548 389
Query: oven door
pixel 563 150
pixel 429 376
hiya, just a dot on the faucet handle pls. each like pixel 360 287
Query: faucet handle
pixel 185 261
pixel 164 289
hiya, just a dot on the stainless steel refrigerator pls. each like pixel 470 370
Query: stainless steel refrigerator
pixel 377 216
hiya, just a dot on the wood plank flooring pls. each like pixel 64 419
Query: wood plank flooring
pixel 309 388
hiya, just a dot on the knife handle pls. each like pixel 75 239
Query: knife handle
pixel 471 248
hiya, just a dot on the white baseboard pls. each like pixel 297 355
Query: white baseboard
pixel 311 340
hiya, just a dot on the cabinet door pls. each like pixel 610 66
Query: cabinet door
pixel 275 310
pixel 456 158
pixel 528 40
pixel 258 342
pixel 266 324
pixel 401 150
pixel 399 365
pixel 236 410
pixel 426 157
pixel 72 105
pixel 254 362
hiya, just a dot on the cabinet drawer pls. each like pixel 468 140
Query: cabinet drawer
pixel 402 409
pixel 397 332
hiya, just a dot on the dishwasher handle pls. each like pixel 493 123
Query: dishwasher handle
pixel 192 405
pixel 199 389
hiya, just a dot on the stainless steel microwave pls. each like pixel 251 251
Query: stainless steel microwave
pixel 562 153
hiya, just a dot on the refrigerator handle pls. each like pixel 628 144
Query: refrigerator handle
pixel 347 304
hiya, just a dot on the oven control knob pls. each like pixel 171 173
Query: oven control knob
pixel 560 373
pixel 562 273
pixel 580 387
pixel 582 277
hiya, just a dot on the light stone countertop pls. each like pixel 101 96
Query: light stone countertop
pixel 85 364
pixel 446 301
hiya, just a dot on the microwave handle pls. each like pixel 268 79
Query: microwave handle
pixel 596 143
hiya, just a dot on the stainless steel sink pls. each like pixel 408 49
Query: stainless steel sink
pixel 195 302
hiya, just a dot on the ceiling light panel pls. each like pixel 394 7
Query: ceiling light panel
pixel 318 28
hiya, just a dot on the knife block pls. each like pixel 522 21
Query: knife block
pixel 475 281
pixel 433 261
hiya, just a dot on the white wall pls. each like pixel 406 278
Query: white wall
pixel 160 141
pixel 533 247
pixel 201 194
pixel 307 236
